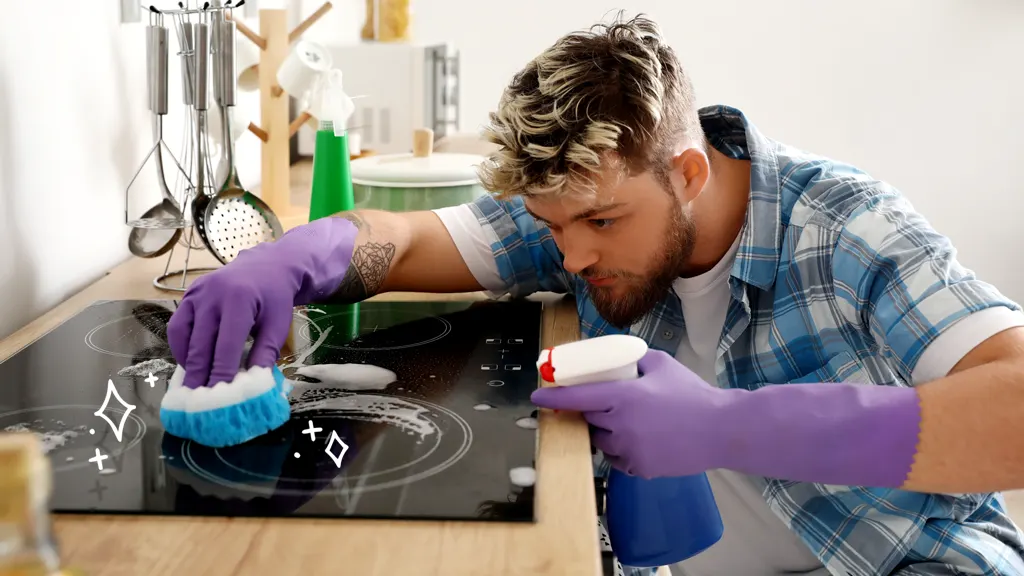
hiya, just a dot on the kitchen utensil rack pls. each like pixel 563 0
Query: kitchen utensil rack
pixel 274 48
pixel 184 236
pixel 274 41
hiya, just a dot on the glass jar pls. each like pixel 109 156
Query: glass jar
pixel 388 21
pixel 26 540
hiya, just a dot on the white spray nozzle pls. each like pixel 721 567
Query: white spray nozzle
pixel 600 359
pixel 328 101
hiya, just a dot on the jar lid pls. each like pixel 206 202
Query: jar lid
pixel 410 171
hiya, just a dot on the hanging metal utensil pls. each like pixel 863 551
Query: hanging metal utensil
pixel 159 228
pixel 235 219
pixel 223 32
pixel 200 60
pixel 187 41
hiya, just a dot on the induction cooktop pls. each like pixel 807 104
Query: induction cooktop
pixel 447 433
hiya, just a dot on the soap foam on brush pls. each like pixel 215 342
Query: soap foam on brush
pixel 349 376
pixel 247 384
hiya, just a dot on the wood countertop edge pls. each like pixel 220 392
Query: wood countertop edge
pixel 561 542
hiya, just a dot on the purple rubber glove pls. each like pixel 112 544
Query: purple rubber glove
pixel 669 422
pixel 255 294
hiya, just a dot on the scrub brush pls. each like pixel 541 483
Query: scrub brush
pixel 227 413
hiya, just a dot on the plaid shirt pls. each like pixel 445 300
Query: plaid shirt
pixel 836 279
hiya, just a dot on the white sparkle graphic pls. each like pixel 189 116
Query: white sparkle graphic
pixel 151 380
pixel 119 427
pixel 344 448
pixel 99 458
pixel 312 431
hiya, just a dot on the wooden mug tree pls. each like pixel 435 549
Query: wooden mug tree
pixel 274 42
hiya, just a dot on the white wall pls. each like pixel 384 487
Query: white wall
pixel 74 127
pixel 923 93
pixel 926 94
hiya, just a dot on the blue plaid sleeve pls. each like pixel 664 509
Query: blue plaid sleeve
pixel 899 280
pixel 528 259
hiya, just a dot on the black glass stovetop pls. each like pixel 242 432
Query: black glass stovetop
pixel 453 437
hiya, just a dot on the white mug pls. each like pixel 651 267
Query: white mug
pixel 306 62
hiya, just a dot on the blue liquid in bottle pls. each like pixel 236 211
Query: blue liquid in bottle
pixel 660 521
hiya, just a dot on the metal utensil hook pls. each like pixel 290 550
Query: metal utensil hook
pixel 156 17
pixel 184 9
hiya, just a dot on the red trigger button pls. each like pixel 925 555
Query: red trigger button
pixel 547 370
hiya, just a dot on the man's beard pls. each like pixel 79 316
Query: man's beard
pixel 643 293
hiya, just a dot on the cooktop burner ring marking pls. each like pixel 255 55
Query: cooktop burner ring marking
pixel 306 332
pixel 141 428
pixel 463 449
pixel 361 418
pixel 91 335
pixel 368 475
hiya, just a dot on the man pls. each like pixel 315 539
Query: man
pixel 846 383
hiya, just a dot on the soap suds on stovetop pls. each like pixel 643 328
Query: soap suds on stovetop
pixel 145 368
pixel 527 423
pixel 524 477
pixel 348 376
pixel 50 439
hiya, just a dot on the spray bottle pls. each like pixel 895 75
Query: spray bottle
pixel 332 175
pixel 651 522
pixel 332 180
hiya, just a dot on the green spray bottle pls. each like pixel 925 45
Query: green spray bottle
pixel 332 188
pixel 332 172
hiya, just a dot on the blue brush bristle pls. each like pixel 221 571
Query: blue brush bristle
pixel 235 424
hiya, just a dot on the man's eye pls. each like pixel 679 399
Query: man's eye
pixel 602 222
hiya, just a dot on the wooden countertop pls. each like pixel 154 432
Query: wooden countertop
pixel 562 542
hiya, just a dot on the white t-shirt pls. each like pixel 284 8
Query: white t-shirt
pixel 755 541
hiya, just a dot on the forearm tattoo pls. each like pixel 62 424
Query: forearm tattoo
pixel 371 261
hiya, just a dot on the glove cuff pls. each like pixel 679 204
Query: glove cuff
pixel 315 257
pixel 844 434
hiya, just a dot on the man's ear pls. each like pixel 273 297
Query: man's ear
pixel 689 172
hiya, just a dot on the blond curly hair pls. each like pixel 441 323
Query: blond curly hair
pixel 615 88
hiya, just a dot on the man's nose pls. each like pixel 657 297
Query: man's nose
pixel 578 254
